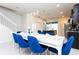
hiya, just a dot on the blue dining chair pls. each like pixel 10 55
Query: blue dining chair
pixel 35 46
pixel 15 41
pixel 66 47
pixel 41 32
pixel 19 31
pixel 50 33
pixel 15 37
pixel 23 44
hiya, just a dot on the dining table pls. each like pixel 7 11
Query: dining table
pixel 54 41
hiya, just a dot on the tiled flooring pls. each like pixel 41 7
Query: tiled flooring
pixel 10 49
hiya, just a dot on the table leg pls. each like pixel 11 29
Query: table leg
pixel 59 51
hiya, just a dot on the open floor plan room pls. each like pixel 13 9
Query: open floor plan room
pixel 39 28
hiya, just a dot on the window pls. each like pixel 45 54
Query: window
pixel 52 26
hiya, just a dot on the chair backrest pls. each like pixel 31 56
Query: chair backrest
pixel 22 42
pixel 15 37
pixel 41 32
pixel 67 47
pixel 19 31
pixel 34 44
pixel 50 33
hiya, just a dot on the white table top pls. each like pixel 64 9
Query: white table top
pixel 55 40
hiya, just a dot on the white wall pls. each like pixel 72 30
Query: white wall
pixel 23 22
pixel 5 34
pixel 30 20
pixel 8 17
pixel 14 17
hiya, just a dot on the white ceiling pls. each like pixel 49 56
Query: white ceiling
pixel 50 10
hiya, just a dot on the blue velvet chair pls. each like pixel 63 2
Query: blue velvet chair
pixel 41 32
pixel 22 42
pixel 50 33
pixel 15 37
pixel 19 31
pixel 15 41
pixel 66 47
pixel 35 46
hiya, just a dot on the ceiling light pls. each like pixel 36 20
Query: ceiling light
pixel 63 16
pixel 58 5
pixel 61 12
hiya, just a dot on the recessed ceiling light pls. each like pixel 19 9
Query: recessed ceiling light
pixel 61 12
pixel 63 16
pixel 58 5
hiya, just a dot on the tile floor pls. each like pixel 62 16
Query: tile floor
pixel 10 49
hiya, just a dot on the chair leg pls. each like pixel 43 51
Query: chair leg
pixel 31 53
pixel 14 44
pixel 39 54
pixel 35 53
pixel 48 52
pixel 45 53
pixel 19 49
